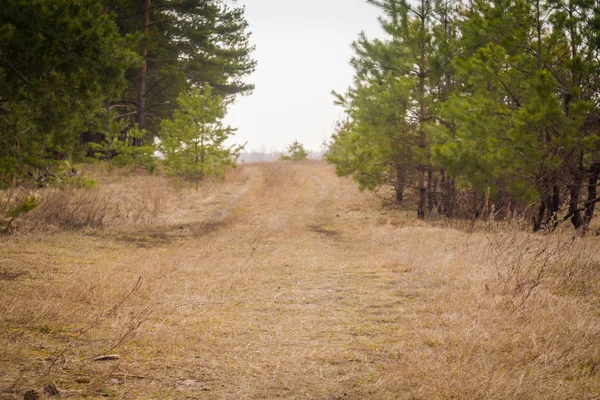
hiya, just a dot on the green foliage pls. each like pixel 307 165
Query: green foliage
pixel 384 140
pixel 189 43
pixel 118 148
pixel 26 205
pixel 70 69
pixel 521 121
pixel 296 152
pixel 500 97
pixel 80 182
pixel 193 142
pixel 60 60
pixel 128 154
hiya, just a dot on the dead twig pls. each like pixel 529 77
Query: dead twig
pixel 92 325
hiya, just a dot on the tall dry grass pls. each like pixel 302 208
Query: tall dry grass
pixel 372 305
pixel 559 262
pixel 132 202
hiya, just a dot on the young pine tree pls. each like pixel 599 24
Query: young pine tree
pixel 193 141
pixel 296 152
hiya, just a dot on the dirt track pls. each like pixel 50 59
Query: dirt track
pixel 284 282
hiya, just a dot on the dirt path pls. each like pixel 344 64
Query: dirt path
pixel 284 282
pixel 316 302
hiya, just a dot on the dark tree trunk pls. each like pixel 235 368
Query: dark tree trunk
pixel 141 97
pixel 422 143
pixel 575 193
pixel 547 217
pixel 448 195
pixel 421 206
pixel 538 221
pixel 430 191
pixel 555 207
pixel 400 183
pixel 592 193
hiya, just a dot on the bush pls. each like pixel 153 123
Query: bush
pixel 80 182
pixel 22 206
pixel 296 152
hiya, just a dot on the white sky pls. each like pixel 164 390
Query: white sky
pixel 303 52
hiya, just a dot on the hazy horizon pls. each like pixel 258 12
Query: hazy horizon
pixel 303 53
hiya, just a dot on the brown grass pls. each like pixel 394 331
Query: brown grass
pixel 253 296
pixel 132 203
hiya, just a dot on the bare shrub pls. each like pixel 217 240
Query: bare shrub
pixel 562 263
pixel 71 208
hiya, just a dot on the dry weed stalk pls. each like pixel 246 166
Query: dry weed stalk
pixel 560 262
pixel 103 316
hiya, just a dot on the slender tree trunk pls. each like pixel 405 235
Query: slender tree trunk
pixel 538 221
pixel 422 116
pixel 592 193
pixel 574 193
pixel 545 196
pixel 141 98
pixel 196 159
pixel 400 183
pixel 422 144
pixel 547 217
pixel 448 194
pixel 577 219
pixel 430 191
pixel 553 215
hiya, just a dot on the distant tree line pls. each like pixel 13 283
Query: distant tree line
pixel 97 78
pixel 495 97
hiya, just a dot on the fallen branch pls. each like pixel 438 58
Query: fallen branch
pixel 108 357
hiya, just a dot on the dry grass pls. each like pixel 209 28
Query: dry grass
pixel 132 203
pixel 285 282
pixel 122 201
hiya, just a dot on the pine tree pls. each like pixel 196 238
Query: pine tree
pixel 522 121
pixel 376 144
pixel 192 142
pixel 184 44
pixel 60 62
pixel 396 82
pixel 296 152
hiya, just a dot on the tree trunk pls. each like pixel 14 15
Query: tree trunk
pixel 547 217
pixel 141 98
pixel 400 183
pixel 422 144
pixel 430 191
pixel 422 116
pixel 575 193
pixel 553 215
pixel 592 194
pixel 538 222
pixel 448 194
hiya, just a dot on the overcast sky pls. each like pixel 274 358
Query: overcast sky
pixel 303 52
